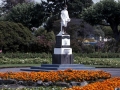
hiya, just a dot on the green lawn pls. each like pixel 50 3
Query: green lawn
pixel 17 65
pixel 27 62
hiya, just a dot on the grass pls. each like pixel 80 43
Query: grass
pixel 28 60
pixel 17 65
pixel 29 65
pixel 107 58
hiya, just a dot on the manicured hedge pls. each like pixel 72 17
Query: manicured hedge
pixel 49 55
pixel 14 37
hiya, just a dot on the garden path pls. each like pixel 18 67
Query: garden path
pixel 115 72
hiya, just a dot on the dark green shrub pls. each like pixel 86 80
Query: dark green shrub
pixel 41 45
pixel 98 55
pixel 76 46
pixel 88 49
pixel 29 14
pixel 14 36
pixel 44 41
pixel 25 55
pixel 112 46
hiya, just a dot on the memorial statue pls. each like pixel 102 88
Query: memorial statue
pixel 64 20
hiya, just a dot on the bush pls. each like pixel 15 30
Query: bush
pixel 25 55
pixel 27 14
pixel 88 49
pixel 76 46
pixel 44 41
pixel 98 55
pixel 112 46
pixel 14 36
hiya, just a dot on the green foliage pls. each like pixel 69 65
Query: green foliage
pixel 104 59
pixel 98 31
pixel 50 36
pixel 25 55
pixel 78 47
pixel 108 31
pixel 14 36
pixel 76 28
pixel 40 32
pixel 25 58
pixel 48 55
pixel 88 49
pixel 112 46
pixel 53 9
pixel 8 4
pixel 43 42
pixel 105 62
pixel 99 11
pixel 37 60
pixel 105 10
pixel 75 7
pixel 98 55
pixel 30 14
pixel 75 46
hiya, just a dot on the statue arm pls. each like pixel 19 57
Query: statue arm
pixel 65 16
pixel 68 18
pixel 62 18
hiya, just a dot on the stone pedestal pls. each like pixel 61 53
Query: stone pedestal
pixel 62 57
pixel 62 51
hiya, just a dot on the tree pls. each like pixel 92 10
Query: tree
pixel 44 41
pixel 107 11
pixel 77 28
pixel 30 15
pixel 54 8
pixel 14 36
pixel 8 4
pixel 108 31
pixel 98 32
pixel 75 7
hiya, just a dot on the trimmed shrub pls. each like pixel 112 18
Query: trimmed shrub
pixel 14 37
pixel 44 41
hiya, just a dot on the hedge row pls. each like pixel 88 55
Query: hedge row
pixel 48 55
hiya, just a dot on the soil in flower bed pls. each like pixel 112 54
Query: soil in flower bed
pixel 20 87
pixel 13 84
pixel 67 78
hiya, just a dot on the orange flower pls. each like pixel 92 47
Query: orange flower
pixel 109 84
pixel 54 76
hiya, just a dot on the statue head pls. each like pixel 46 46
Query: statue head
pixel 65 6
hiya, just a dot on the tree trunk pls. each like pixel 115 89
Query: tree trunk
pixel 115 30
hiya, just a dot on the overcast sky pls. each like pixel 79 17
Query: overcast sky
pixel 93 0
pixel 45 0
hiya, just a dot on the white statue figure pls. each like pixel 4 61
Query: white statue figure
pixel 64 20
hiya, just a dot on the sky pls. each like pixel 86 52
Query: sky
pixel 93 0
pixel 45 0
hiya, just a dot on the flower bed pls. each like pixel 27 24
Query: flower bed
pixel 109 84
pixel 55 76
pixel 99 80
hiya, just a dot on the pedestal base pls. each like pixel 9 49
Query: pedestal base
pixel 55 67
pixel 62 59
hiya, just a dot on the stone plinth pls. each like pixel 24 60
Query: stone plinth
pixel 54 67
pixel 62 51
pixel 62 57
